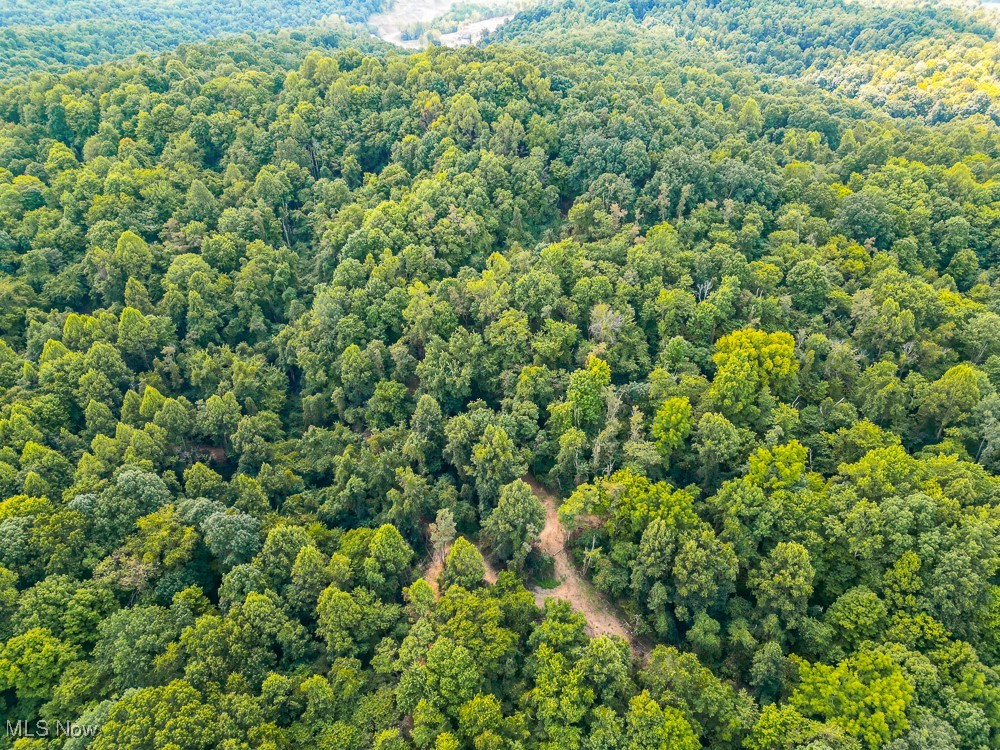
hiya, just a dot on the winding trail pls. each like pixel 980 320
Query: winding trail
pixel 602 617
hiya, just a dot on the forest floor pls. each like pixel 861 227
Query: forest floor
pixel 602 617
pixel 432 571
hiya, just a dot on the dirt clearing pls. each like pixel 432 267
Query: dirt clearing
pixel 602 618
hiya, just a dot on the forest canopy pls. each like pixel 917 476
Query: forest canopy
pixel 325 368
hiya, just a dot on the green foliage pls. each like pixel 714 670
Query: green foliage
pixel 57 36
pixel 672 424
pixel 291 324
pixel 463 566
pixel 867 696
pixel 514 524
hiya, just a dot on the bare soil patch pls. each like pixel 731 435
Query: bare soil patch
pixel 602 617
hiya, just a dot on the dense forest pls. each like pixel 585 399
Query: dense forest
pixel 59 35
pixel 207 18
pixel 326 368
pixel 928 60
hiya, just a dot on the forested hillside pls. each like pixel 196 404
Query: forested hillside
pixel 294 327
pixel 206 18
pixel 934 61
pixel 59 35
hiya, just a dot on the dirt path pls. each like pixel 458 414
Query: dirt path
pixel 491 572
pixel 432 571
pixel 602 619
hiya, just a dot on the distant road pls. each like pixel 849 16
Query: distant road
pixel 390 25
